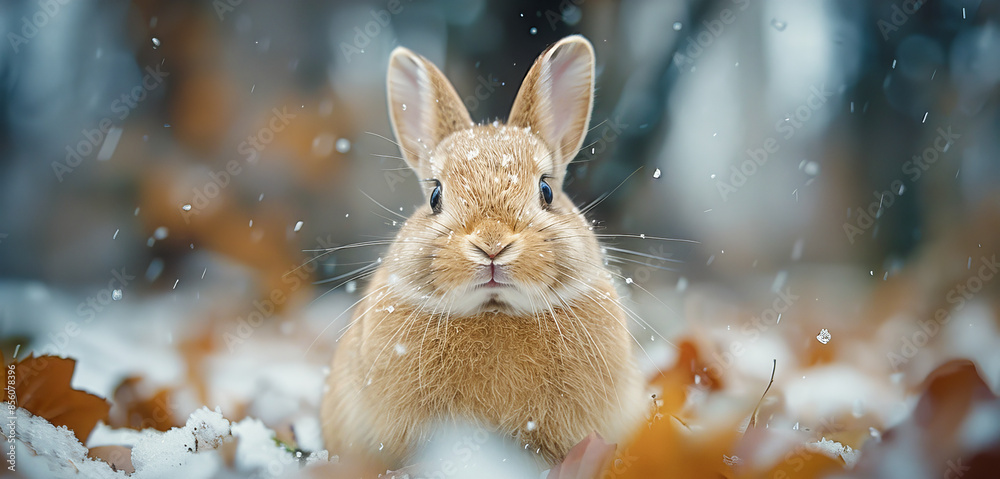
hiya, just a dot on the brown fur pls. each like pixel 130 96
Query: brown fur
pixel 421 350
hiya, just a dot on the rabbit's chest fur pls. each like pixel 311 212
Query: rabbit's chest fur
pixel 566 376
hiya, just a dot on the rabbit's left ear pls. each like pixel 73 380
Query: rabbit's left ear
pixel 423 107
pixel 557 95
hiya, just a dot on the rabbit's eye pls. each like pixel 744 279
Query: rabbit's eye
pixel 436 198
pixel 546 191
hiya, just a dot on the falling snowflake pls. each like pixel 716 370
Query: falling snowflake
pixel 343 145
pixel 823 336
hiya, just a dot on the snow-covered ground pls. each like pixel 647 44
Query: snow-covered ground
pixel 243 399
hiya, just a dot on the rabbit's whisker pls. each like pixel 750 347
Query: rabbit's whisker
pixel 656 238
pixel 597 348
pixel 605 196
pixel 399 144
pixel 423 339
pixel 326 251
pixel 618 259
pixel 651 328
pixel 644 255
pixel 362 269
pixel 382 206
pixel 399 329
pixel 313 343
pixel 631 314
pixel 352 245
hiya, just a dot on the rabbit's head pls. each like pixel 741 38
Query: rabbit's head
pixel 496 232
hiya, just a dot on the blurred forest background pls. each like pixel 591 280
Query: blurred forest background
pixel 170 166
pixel 681 88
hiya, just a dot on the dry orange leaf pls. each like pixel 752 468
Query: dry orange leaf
pixel 803 462
pixel 43 388
pixel 950 392
pixel 666 447
pixel 933 433
pixel 585 460
pixel 118 457
pixel 133 410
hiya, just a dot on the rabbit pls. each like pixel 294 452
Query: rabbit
pixel 493 306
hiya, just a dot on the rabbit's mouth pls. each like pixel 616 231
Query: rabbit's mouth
pixel 492 287
pixel 492 283
pixel 495 276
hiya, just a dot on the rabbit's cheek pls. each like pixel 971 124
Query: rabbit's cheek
pixel 452 270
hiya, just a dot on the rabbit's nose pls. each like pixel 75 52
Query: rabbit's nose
pixel 491 249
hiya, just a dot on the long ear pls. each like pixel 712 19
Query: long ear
pixel 557 95
pixel 423 107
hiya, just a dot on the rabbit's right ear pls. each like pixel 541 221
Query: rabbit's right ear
pixel 423 107
pixel 557 95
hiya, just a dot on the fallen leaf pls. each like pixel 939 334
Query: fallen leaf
pixel 43 387
pixel 666 446
pixel 804 461
pixel 586 460
pixel 118 457
pixel 133 409
pixel 933 434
